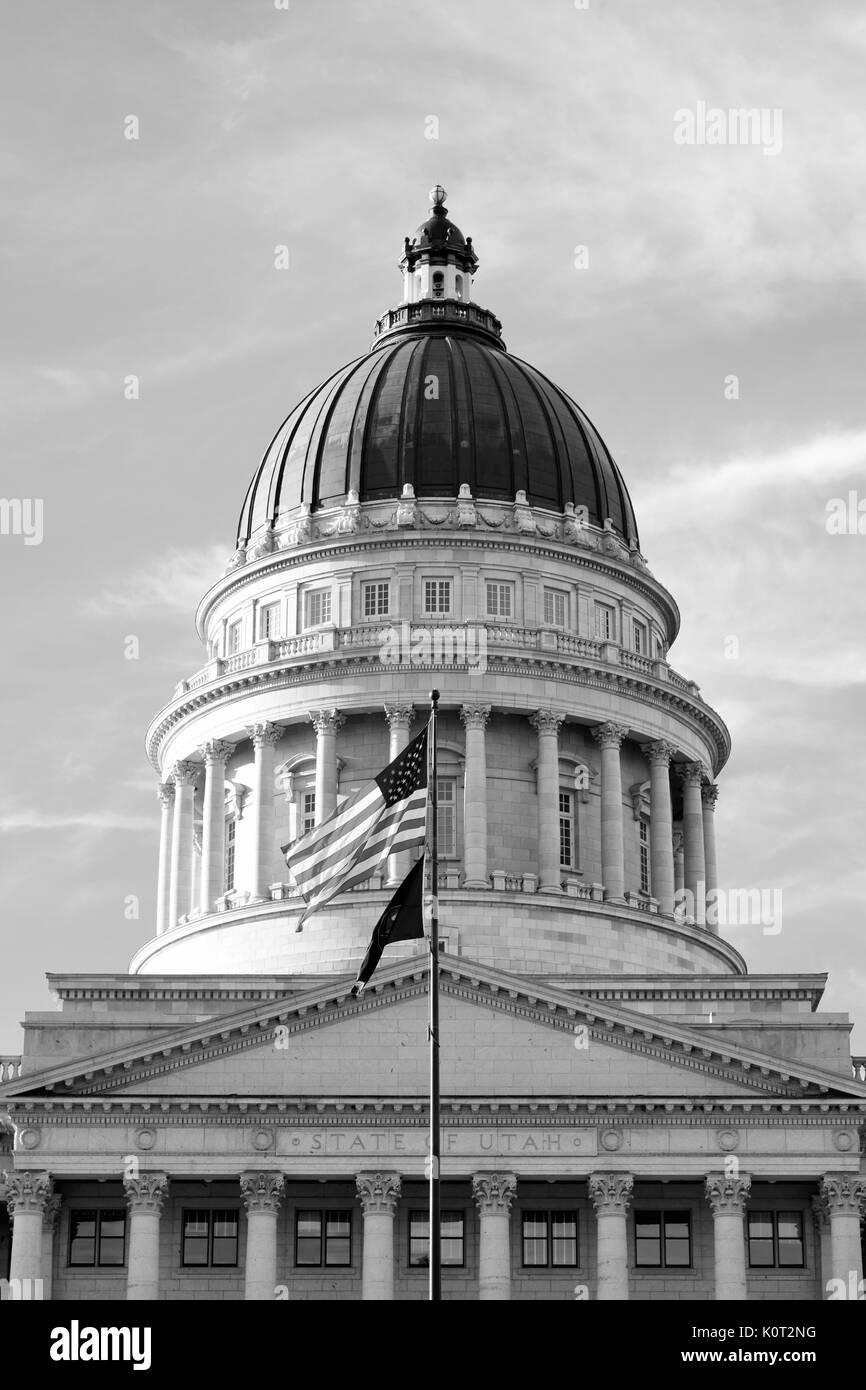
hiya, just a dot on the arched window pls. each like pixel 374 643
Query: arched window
pixel 438 285
pixel 458 287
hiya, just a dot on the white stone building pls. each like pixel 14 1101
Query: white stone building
pixel 627 1112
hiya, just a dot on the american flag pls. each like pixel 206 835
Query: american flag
pixel 377 821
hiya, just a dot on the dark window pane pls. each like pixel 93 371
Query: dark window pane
pixel 648 1252
pixel 451 1229
pixel 761 1225
pixel 112 1230
pixel 648 1238
pixel 535 1239
pixel 338 1242
pixel 309 1238
pixel 195 1237
pixel 790 1230
pixel 224 1246
pixel 564 1238
pixel 82 1238
pixel 677 1239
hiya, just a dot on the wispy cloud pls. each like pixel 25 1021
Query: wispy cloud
pixel 172 582
pixel 103 822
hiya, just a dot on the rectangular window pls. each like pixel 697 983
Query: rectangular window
pixel 662 1240
pixel 97 1237
pixel 230 856
pixel 639 638
pixel 377 599
pixel 499 601
pixel 317 607
pixel 604 623
pixel 549 1239
pixel 323 1238
pixel 451 1234
pixel 437 596
pixel 566 830
pixel 210 1239
pixel 269 621
pixel 555 608
pixel 233 638
pixel 644 846
pixel 308 812
pixel 776 1239
pixel 446 816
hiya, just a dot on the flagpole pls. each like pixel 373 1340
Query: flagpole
pixel 433 1022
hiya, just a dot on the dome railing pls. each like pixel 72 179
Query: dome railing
pixel 438 311
pixel 464 644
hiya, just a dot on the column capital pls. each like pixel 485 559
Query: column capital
pixel 185 773
pixel 265 734
pixel 690 774
pixel 28 1191
pixel 147 1192
pixel 821 1214
pixel 494 1192
pixel 611 1193
pixel 326 721
pixel 165 792
pixel 608 735
pixel 475 716
pixel 398 716
pixel 709 794
pixel 546 721
pixel 378 1192
pixel 262 1191
pixel 728 1195
pixel 216 750
pixel 843 1192
pixel 658 752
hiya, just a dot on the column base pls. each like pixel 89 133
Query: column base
pixel 476 883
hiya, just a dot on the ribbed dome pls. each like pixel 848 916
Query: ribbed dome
pixel 437 409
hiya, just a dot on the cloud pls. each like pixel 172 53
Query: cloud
pixel 101 821
pixel 171 583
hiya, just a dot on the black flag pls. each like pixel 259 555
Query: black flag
pixel 402 920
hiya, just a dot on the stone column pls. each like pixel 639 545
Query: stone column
pixel 821 1220
pixel 326 723
pixel 50 1218
pixel 263 1195
pixel 611 1196
pixel 213 829
pixel 163 883
pixel 727 1197
pixel 179 895
pixel 399 719
pixel 547 724
pixel 475 719
pixel 265 738
pixel 709 796
pixel 494 1193
pixel 145 1196
pixel 609 738
pixel 658 755
pixel 379 1194
pixel 844 1194
pixel 691 775
pixel 27 1197
pixel 679 864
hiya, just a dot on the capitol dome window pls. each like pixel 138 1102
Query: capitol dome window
pixel 234 637
pixel 376 597
pixel 438 285
pixel 458 287
pixel 555 608
pixel 500 600
pixel 231 844
pixel 605 622
pixel 639 638
pixel 437 597
pixel 269 621
pixel 567 831
pixel 317 607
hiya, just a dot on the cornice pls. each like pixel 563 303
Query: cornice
pixel 330 665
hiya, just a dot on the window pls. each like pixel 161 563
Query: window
pixel 446 816
pixel 437 595
pixel 230 855
pixel 458 287
pixel 269 620
pixel 323 1238
pixel 604 622
pixel 317 607
pixel 566 830
pixel 377 599
pixel 210 1238
pixel 233 639
pixel 499 604
pixel 97 1237
pixel 662 1240
pixel 639 641
pixel 438 284
pixel 555 608
pixel 644 846
pixel 776 1239
pixel 549 1239
pixel 308 812
pixel 451 1235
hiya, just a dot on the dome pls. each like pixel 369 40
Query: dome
pixel 436 408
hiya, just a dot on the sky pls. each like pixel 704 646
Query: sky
pixel 702 300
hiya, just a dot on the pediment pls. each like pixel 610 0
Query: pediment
pixel 501 1035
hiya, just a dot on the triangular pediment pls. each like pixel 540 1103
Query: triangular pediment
pixel 502 1036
